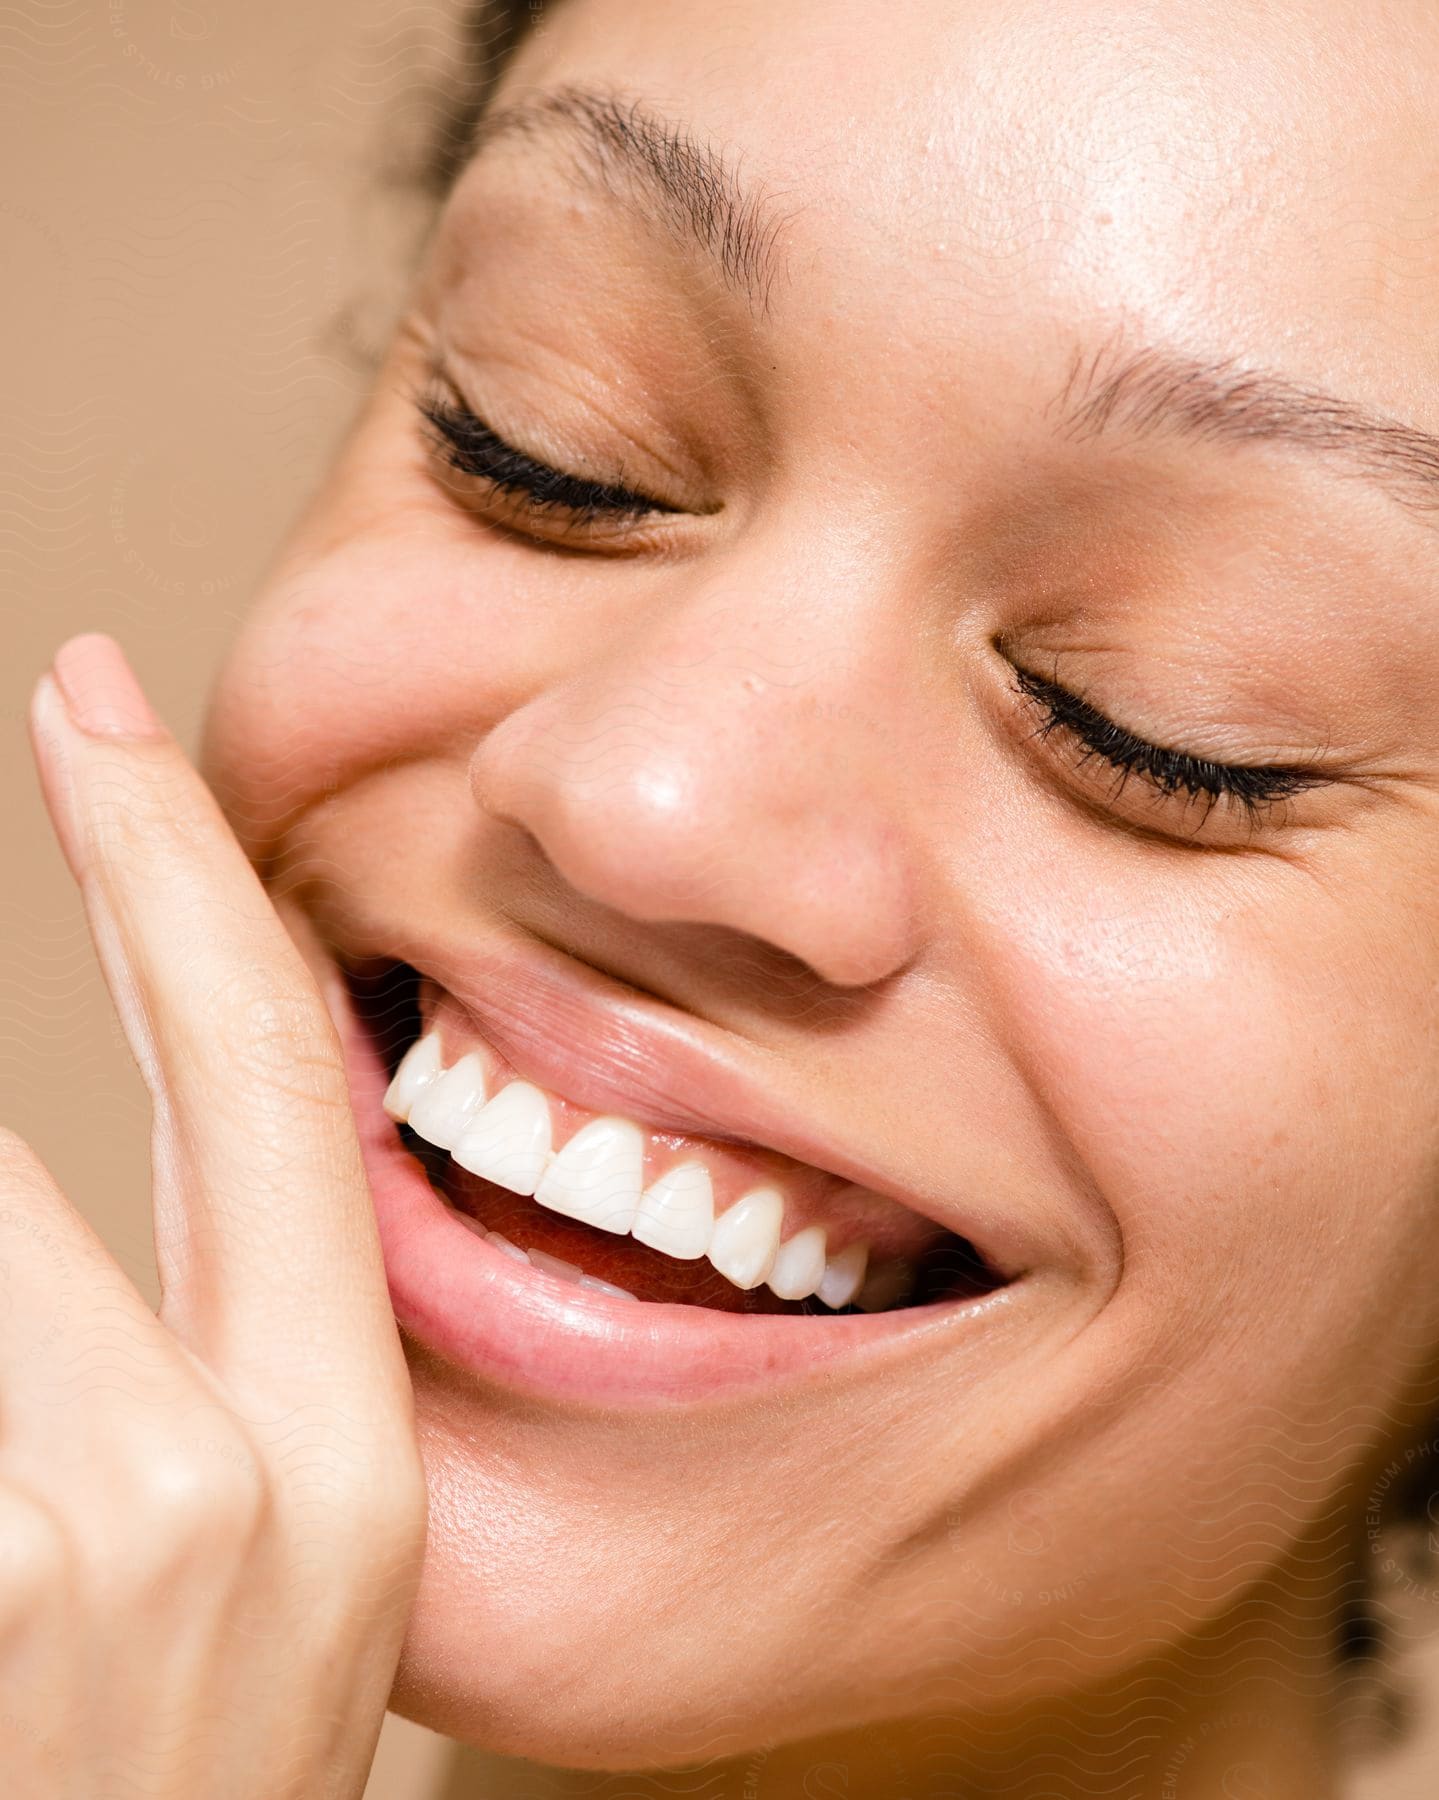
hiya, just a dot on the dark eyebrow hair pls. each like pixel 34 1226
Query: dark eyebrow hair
pixel 634 153
pixel 1160 389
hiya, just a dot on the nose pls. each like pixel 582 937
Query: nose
pixel 706 766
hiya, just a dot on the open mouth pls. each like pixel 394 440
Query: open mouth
pixel 610 1205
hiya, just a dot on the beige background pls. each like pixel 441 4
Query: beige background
pixel 205 222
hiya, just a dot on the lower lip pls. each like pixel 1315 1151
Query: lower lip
pixel 515 1325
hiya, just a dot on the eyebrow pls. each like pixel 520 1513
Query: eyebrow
pixel 1160 389
pixel 635 154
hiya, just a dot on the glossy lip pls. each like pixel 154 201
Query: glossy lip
pixel 532 1333
pixel 529 1331
pixel 607 1048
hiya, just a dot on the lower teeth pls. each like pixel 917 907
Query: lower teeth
pixel 884 1288
pixel 949 1270
pixel 501 1243
pixel 541 1259
pixel 555 1265
pixel 887 1285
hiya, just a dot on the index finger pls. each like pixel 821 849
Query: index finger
pixel 265 1235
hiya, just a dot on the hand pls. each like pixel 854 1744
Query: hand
pixel 211 1520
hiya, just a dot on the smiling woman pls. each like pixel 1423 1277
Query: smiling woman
pixel 853 743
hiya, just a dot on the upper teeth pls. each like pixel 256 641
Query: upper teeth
pixel 598 1176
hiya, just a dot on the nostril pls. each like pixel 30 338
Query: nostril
pixel 674 814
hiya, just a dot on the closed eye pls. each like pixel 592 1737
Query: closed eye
pixel 1252 787
pixel 475 448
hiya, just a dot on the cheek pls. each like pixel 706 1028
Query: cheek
pixel 1220 1060
pixel 395 629
pixel 1180 1055
pixel 1221 1052
pixel 373 655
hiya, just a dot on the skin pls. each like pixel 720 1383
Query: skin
pixel 1097 1550
pixel 229 1615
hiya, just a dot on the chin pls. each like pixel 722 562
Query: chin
pixel 647 1418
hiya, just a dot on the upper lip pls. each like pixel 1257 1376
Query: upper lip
pixel 608 1048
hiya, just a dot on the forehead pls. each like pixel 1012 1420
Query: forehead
pixel 1271 170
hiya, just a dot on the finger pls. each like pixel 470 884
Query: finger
pixel 82 1356
pixel 265 1235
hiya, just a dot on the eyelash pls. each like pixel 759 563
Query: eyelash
pixel 475 449
pixel 471 446
pixel 1254 788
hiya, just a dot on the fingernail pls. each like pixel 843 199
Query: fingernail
pixel 101 693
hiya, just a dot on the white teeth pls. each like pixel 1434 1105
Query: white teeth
pixel 843 1275
pixel 446 1105
pixel 508 1141
pixel 676 1213
pixel 885 1287
pixel 746 1237
pixel 606 1287
pixel 556 1265
pixel 421 1066
pixel 511 1250
pixel 799 1265
pixel 596 1177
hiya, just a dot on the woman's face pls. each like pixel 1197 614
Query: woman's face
pixel 926 337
